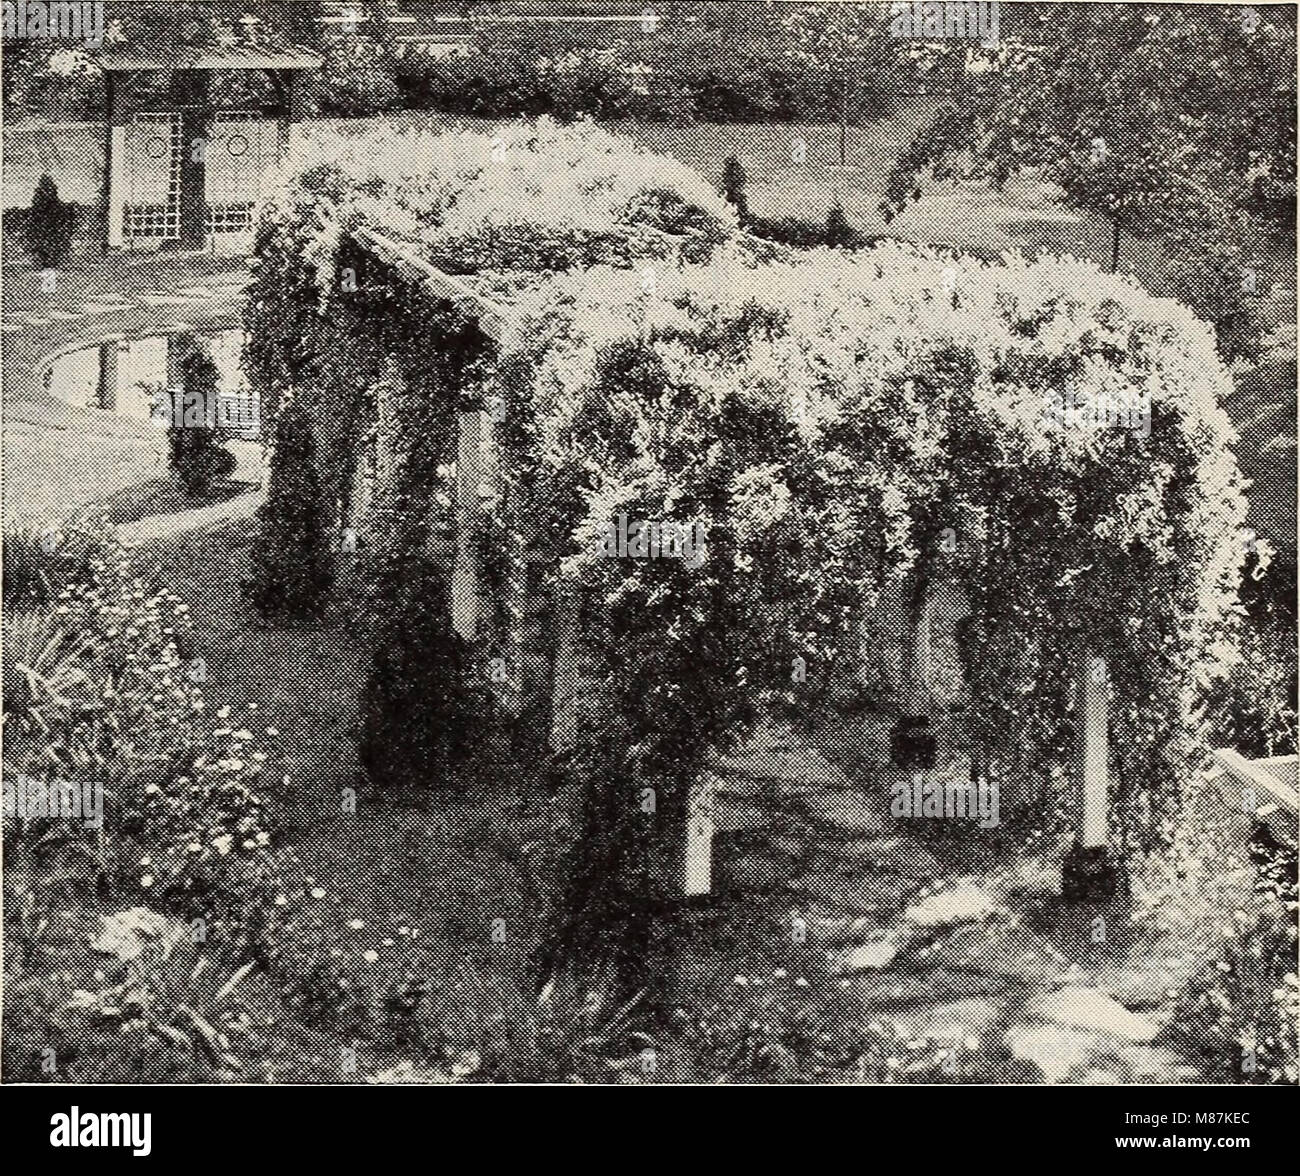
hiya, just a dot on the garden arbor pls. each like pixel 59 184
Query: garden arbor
pixel 178 171
pixel 612 347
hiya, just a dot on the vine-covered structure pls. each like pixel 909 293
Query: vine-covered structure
pixel 895 474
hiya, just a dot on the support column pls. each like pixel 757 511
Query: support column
pixel 177 344
pixel 472 440
pixel 697 868
pixel 1095 768
pixel 913 741
pixel 115 160
pixel 1089 873
pixel 291 95
pixel 109 369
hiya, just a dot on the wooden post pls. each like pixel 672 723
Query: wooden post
pixel 115 161
pixel 192 90
pixel 1089 874
pixel 109 372
pixel 290 88
pixel 472 439
pixel 697 869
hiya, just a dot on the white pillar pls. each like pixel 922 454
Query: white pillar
pixel 697 871
pixel 472 439
pixel 1094 766
pixel 117 187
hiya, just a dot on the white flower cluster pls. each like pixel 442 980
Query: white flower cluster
pixel 533 195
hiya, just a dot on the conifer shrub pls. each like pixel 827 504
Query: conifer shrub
pixel 50 222
pixel 195 452
pixel 293 569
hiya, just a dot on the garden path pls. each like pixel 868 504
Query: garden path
pixel 843 898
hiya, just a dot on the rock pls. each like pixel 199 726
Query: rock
pixel 951 1021
pixel 1056 1050
pixel 962 903
pixel 994 948
pixel 128 934
pixel 734 784
pixel 848 813
pixel 1092 1010
pixel 1140 988
pixel 1089 1058
pixel 863 894
pixel 869 957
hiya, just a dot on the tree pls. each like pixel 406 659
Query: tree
pixel 1177 124
pixel 196 454
pixel 49 225
pixel 293 569
pixel 359 75
pixel 848 43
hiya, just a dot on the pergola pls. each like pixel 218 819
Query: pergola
pixel 190 117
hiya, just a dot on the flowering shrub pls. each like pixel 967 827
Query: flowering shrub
pixel 531 196
pixel 115 702
pixel 106 700
pixel 1241 1011
pixel 828 422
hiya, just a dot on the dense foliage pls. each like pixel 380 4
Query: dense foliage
pixel 532 198
pixel 823 425
pixel 49 225
pixel 826 424
pixel 293 569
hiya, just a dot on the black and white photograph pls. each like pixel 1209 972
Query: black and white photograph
pixel 645 542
